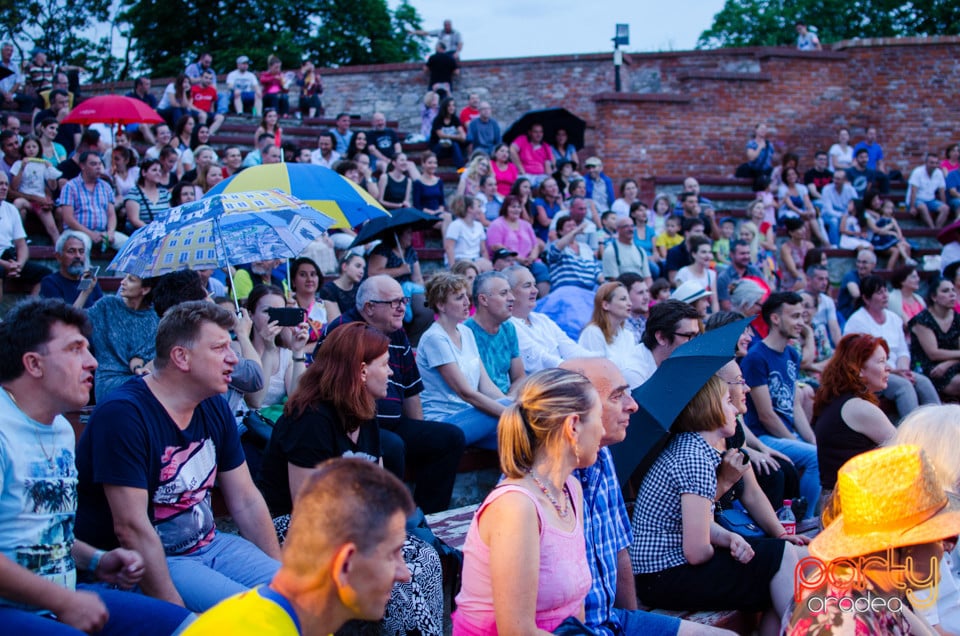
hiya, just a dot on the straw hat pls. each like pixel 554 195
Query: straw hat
pixel 889 497
pixel 689 292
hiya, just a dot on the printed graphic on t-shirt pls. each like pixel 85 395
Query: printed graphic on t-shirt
pixel 50 497
pixel 182 512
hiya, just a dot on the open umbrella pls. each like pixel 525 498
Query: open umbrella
pixel 228 229
pixel 666 393
pixel 113 110
pixel 321 188
pixel 950 233
pixel 552 119
pixel 386 228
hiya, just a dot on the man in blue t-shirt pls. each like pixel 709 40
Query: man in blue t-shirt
pixel 51 583
pixel 150 456
pixel 495 334
pixel 773 408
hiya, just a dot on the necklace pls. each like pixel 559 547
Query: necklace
pixel 36 431
pixel 564 511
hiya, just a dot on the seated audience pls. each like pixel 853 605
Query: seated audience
pixel 305 278
pixel 339 295
pixel 906 387
pixel 465 238
pixel 847 419
pixel 904 299
pixel 65 283
pixel 606 334
pixel 543 344
pixel 495 335
pixel 14 251
pixel 936 430
pixel 41 559
pixel 396 185
pixel 876 216
pixel 447 136
pixel 678 553
pixel 770 369
pixel 505 171
pixel 332 414
pixel 275 85
pixel 850 283
pixel 792 254
pixel 759 155
pixel 511 232
pixel 456 385
pixel 531 155
pixel 693 293
pixel 346 540
pixel 148 199
pixel 86 204
pixel 399 260
pixel 124 334
pixel 918 516
pixel 935 341
pixel 926 194
pixel 428 189
pixel 571 261
pixel 150 455
pixel 281 349
pixel 699 270
pixel 433 449
pixel 525 566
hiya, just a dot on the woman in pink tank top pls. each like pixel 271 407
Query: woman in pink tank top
pixel 525 562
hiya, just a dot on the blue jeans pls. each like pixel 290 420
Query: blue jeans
pixel 804 457
pixel 831 223
pixel 130 614
pixel 479 429
pixel 227 566
pixel 640 623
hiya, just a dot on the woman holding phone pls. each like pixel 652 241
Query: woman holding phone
pixel 281 348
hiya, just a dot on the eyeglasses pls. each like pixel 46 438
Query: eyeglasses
pixel 737 382
pixel 689 335
pixel 396 303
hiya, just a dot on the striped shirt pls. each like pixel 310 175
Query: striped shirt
pixel 90 208
pixel 572 266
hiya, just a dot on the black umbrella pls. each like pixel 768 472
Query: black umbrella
pixel 552 119
pixel 5 72
pixel 662 397
pixel 386 228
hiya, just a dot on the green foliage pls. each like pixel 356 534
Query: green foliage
pixel 771 22
pixel 168 34
pixel 55 25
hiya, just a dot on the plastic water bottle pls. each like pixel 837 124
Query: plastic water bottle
pixel 787 518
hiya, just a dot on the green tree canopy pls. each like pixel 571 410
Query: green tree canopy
pixel 57 26
pixel 771 22
pixel 167 34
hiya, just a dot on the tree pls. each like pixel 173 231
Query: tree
pixel 771 22
pixel 167 34
pixel 57 26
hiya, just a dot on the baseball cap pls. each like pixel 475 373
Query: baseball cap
pixel 502 253
pixel 243 59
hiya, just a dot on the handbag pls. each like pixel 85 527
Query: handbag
pixel 259 429
pixel 573 626
pixel 737 519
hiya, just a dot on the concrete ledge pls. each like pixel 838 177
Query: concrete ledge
pixel 718 76
pixel 653 98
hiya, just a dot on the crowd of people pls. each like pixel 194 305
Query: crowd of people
pixel 561 296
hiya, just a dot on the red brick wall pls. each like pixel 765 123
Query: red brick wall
pixel 692 111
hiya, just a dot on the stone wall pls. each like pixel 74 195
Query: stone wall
pixel 692 111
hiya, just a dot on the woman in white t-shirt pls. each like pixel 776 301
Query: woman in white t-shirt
pixel 607 335
pixel 456 387
pixel 36 177
pixel 841 153
pixel 465 238
pixel 700 271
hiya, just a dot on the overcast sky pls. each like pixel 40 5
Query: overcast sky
pixel 517 28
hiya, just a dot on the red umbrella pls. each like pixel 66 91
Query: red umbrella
pixel 950 233
pixel 112 109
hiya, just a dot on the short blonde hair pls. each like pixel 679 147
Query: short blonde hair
pixel 441 285
pixel 535 421
pixel 705 411
pixel 935 429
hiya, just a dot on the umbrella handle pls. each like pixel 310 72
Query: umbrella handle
pixel 226 257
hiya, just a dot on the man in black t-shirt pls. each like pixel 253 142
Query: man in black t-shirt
pixel 382 141
pixel 441 67
pixel 818 176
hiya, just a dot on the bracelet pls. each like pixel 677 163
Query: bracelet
pixel 783 534
pixel 300 359
pixel 95 561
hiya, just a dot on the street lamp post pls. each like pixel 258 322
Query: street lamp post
pixel 621 38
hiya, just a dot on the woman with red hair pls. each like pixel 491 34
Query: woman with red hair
pixel 332 413
pixel 847 418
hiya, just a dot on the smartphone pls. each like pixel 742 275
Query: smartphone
pixel 287 316
pixel 86 281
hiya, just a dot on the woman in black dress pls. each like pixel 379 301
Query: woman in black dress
pixel 935 345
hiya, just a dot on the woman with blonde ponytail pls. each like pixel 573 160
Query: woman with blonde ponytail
pixel 525 567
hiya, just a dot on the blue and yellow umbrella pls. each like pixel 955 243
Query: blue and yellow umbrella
pixel 321 188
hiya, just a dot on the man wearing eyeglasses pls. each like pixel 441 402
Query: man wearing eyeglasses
pixel 434 448
pixel 671 324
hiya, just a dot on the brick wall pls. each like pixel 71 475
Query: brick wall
pixel 692 111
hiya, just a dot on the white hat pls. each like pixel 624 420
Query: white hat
pixel 689 292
